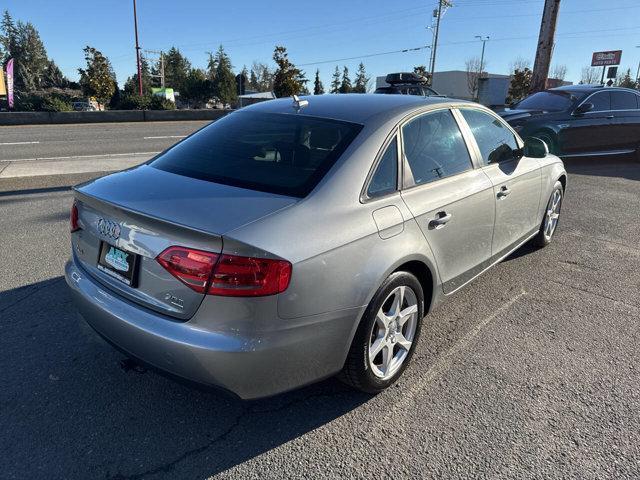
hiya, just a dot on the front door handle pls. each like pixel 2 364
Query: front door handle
pixel 440 221
pixel 504 191
pixel 609 117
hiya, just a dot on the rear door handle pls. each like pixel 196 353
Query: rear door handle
pixel 440 221
pixel 504 191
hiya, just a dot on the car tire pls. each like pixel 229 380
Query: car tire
pixel 551 217
pixel 389 328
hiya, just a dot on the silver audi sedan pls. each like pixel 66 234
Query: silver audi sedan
pixel 297 239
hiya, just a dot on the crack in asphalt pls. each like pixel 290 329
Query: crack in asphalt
pixel 247 411
pixel 597 294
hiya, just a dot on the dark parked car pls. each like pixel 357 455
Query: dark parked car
pixel 580 120
pixel 407 84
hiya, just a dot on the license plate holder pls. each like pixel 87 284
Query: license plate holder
pixel 118 263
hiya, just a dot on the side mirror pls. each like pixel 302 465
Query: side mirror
pixel 535 148
pixel 584 108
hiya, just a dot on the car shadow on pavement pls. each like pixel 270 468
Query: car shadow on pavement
pixel 604 167
pixel 73 407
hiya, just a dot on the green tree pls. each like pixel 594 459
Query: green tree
pixel 131 85
pixel 288 80
pixel 176 69
pixel 198 88
pixel 260 77
pixel 335 82
pixel 361 80
pixel 224 83
pixel 53 77
pixel 8 37
pixel 345 83
pixel 421 70
pixel 318 87
pixel 626 80
pixel 519 86
pixel 97 80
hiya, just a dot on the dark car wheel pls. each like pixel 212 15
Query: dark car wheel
pixel 551 217
pixel 387 335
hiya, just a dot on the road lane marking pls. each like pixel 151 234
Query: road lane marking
pixel 18 143
pixel 70 157
pixel 164 136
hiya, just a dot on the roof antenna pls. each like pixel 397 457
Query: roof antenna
pixel 299 104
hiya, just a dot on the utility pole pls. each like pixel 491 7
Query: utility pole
pixel 438 14
pixel 638 72
pixel 135 23
pixel 545 45
pixel 161 55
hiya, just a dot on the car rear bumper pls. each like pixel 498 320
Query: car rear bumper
pixel 249 365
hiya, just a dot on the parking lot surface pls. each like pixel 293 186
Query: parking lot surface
pixel 532 371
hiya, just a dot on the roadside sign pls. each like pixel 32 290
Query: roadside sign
pixel 3 88
pixel 612 72
pixel 601 59
pixel 10 83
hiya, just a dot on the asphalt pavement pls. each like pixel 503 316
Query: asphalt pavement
pixel 51 149
pixel 532 371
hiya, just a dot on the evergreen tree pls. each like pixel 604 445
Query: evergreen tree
pixel 212 66
pixel 176 69
pixel 97 80
pixel 224 83
pixel 421 70
pixel 53 77
pixel 335 82
pixel 520 85
pixel 260 77
pixel 626 80
pixel 288 80
pixel 131 85
pixel 318 88
pixel 8 37
pixel 198 88
pixel 345 84
pixel 362 81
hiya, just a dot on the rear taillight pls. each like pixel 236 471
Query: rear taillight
pixel 249 277
pixel 226 275
pixel 191 267
pixel 74 218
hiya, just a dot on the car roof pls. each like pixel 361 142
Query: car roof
pixel 588 88
pixel 354 107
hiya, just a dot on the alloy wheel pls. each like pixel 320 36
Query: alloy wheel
pixel 552 214
pixel 393 332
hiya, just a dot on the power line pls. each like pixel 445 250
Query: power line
pixel 404 50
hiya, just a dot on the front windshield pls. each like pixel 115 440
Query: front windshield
pixel 552 101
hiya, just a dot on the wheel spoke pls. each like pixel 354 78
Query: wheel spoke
pixel 398 300
pixel 387 356
pixel 382 319
pixel 406 314
pixel 374 349
pixel 403 342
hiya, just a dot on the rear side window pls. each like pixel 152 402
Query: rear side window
pixel 601 102
pixel 495 140
pixel 385 178
pixel 434 147
pixel 624 100
pixel 286 154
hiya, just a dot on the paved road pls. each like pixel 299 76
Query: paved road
pixel 55 141
pixel 531 372
pixel 53 149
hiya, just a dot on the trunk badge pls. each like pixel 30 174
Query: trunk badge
pixel 109 229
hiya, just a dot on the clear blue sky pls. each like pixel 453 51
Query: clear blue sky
pixel 330 30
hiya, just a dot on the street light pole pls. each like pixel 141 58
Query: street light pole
pixel 484 41
pixel 638 72
pixel 135 23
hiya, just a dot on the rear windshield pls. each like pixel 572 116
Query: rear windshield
pixel 287 154
pixel 552 101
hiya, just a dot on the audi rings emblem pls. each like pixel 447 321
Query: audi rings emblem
pixel 108 229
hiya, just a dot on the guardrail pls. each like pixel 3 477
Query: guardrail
pixel 43 118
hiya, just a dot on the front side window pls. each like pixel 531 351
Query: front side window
pixel 287 154
pixel 549 100
pixel 601 102
pixel 385 178
pixel 495 140
pixel 624 100
pixel 434 147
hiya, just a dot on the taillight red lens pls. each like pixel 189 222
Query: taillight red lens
pixel 249 277
pixel 191 267
pixel 226 275
pixel 74 218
